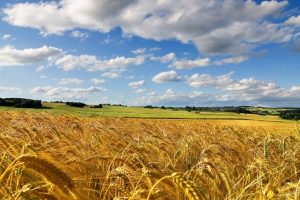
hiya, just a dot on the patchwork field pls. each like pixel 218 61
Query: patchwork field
pixel 46 156
pixel 140 112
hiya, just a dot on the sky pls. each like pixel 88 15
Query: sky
pixel 159 52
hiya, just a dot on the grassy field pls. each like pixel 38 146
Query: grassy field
pixel 140 112
pixel 272 111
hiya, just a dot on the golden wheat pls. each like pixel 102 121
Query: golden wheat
pixel 43 156
pixel 191 190
pixel 48 170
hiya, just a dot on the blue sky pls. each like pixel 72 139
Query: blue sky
pixel 140 52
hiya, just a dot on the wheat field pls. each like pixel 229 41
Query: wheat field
pixel 45 156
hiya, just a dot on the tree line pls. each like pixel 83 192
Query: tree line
pixel 20 103
pixel 290 114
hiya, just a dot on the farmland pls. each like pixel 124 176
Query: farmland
pixel 140 112
pixel 53 154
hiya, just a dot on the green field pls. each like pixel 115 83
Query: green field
pixel 140 112
pixel 272 111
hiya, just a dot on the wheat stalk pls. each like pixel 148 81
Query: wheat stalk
pixel 49 171
pixel 266 147
pixel 191 190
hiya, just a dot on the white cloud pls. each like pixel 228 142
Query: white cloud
pixel 10 56
pixel 295 88
pixel 92 63
pixel 249 87
pixel 165 59
pixel 41 68
pixel 98 81
pixel 80 35
pixel 256 92
pixel 130 77
pixel 190 64
pixel 136 84
pixel 66 93
pixel 15 90
pixel 168 76
pixel 170 97
pixel 107 40
pixel 214 27
pixel 43 77
pixel 92 14
pixel 7 37
pixel 140 91
pixel 206 80
pixel 151 93
pixel 241 37
pixel 232 60
pixel 294 20
pixel 139 51
pixel 245 90
pixel 155 49
pixel 70 81
pixel 110 74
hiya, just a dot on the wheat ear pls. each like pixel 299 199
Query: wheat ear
pixel 190 189
pixel 49 171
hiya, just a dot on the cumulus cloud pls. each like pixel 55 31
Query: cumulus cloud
pixel 249 84
pixel 107 40
pixel 295 89
pixel 41 68
pixel 7 37
pixel 196 63
pixel 91 14
pixel 136 84
pixel 170 97
pixel 294 20
pixel 258 92
pixel 10 56
pixel 155 49
pixel 164 59
pixel 139 51
pixel 151 93
pixel 241 37
pixel 214 27
pixel 80 35
pixel 66 93
pixel 168 76
pixel 140 90
pixel 130 77
pixel 15 90
pixel 206 80
pixel 110 75
pixel 232 60
pixel 98 81
pixel 190 64
pixel 43 77
pixel 225 82
pixel 92 63
pixel 70 81
pixel 245 90
pixel 226 91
